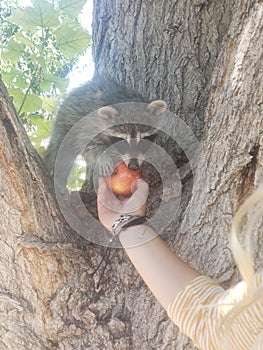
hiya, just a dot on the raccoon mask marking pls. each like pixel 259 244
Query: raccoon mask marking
pixel 127 142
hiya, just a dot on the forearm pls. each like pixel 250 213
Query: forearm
pixel 163 272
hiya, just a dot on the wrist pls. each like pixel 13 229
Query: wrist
pixel 126 221
pixel 136 236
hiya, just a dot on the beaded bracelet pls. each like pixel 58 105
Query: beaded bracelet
pixel 126 221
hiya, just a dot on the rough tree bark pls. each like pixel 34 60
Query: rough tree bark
pixel 163 49
pixel 203 58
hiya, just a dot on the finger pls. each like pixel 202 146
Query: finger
pixel 105 197
pixel 140 185
pixel 104 192
pixel 137 202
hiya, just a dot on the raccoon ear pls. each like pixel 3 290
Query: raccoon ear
pixel 157 107
pixel 108 112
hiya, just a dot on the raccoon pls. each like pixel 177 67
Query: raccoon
pixel 100 145
pixel 80 102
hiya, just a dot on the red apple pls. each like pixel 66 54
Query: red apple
pixel 121 180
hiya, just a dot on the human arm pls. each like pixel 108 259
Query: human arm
pixel 163 272
pixel 196 304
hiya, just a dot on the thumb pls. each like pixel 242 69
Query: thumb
pixel 141 186
pixel 138 199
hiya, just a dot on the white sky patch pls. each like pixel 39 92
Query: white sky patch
pixel 86 15
pixel 84 69
pixel 24 3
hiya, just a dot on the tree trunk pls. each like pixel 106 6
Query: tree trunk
pixel 203 58
pixel 163 49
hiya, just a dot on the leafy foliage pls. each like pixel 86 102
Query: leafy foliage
pixel 39 46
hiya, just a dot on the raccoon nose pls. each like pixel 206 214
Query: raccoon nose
pixel 133 164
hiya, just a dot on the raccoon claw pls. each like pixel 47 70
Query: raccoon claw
pixel 106 169
pixel 102 169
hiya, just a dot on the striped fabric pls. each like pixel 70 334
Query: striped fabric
pixel 198 310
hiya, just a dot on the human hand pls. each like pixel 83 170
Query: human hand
pixel 110 208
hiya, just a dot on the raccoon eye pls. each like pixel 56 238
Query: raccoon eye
pixel 150 137
pixel 114 139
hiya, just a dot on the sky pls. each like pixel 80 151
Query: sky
pixel 84 68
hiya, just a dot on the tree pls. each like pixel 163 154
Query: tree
pixel 204 59
pixel 40 44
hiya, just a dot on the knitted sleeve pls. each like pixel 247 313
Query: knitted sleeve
pixel 198 310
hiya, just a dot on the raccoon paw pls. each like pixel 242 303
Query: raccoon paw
pixel 93 173
pixel 88 185
pixel 106 168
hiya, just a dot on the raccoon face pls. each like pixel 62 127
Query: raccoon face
pixel 128 138
pixel 128 142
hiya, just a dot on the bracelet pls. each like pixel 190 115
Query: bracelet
pixel 126 221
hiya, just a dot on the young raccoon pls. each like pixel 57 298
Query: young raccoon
pixel 80 102
pixel 103 137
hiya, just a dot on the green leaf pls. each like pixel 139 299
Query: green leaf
pixel 42 125
pixel 49 104
pixel 14 51
pixel 60 83
pixel 24 40
pixel 20 81
pixel 32 103
pixel 40 131
pixel 47 15
pixel 45 85
pixel 17 97
pixel 72 39
pixel 31 18
pixel 15 78
pixel 72 7
pixel 9 78
pixel 39 60
pixel 50 80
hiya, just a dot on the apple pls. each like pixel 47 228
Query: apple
pixel 122 179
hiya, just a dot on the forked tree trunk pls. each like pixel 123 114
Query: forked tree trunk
pixel 203 58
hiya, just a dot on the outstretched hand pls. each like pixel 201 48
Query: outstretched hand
pixel 110 208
